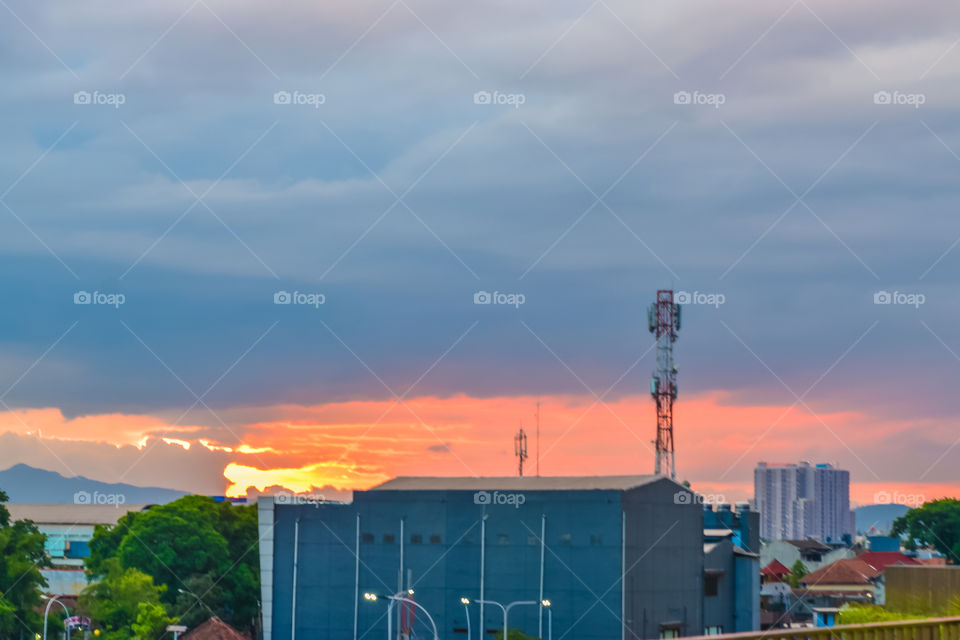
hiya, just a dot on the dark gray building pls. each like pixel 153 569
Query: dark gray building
pixel 618 557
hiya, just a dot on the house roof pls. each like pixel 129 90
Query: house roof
pixel 846 571
pixel 882 559
pixel 514 483
pixel 775 568
pixel 73 514
pixel 809 544
pixel 214 629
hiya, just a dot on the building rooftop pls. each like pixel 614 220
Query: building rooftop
pixel 71 513
pixel 851 571
pixel 776 569
pixel 882 559
pixel 514 483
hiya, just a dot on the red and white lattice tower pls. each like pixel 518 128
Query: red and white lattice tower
pixel 663 318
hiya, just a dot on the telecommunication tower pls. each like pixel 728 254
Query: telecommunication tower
pixel 663 319
pixel 520 448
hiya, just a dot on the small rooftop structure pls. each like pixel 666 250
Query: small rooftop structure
pixel 214 629
pixel 775 569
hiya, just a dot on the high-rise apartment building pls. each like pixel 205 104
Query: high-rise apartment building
pixel 799 501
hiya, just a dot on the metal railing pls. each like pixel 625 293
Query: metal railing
pixel 924 629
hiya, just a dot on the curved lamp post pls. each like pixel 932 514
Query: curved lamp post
pixel 50 600
pixel 506 611
pixel 400 597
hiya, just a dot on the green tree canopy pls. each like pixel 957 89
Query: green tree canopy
pixel 936 524
pixel 125 603
pixel 797 572
pixel 21 557
pixel 204 552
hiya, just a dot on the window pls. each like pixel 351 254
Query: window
pixel 669 632
pixel 596 540
pixel 366 538
pixel 416 538
pixel 713 631
pixel 503 539
pixel 566 539
pixel 711 584
pixel 389 538
pixel 436 539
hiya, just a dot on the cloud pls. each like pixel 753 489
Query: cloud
pixel 501 199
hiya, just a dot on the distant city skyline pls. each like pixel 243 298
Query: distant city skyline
pixel 803 500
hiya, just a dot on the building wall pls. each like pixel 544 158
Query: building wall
pixel 927 589
pixel 800 501
pixel 582 561
pixel 664 561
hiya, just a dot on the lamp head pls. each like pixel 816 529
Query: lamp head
pixel 371 597
pixel 546 603
pixel 464 600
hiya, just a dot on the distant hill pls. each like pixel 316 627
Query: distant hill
pixel 25 484
pixel 879 516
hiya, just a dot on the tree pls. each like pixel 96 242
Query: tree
pixel 935 524
pixel 204 552
pixel 22 556
pixel 797 572
pixel 125 603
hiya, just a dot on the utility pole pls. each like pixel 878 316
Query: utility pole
pixel 538 438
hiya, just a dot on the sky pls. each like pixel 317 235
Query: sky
pixel 243 244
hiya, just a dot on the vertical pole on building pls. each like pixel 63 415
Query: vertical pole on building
pixel 356 583
pixel 400 582
pixel 293 596
pixel 543 535
pixel 623 576
pixel 483 569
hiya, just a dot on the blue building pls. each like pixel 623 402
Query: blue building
pixel 617 557
pixel 731 559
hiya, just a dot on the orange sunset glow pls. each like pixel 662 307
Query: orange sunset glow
pixel 338 447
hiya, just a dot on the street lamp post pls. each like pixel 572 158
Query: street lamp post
pixel 506 611
pixel 400 597
pixel 50 600
pixel 466 610
pixel 546 605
